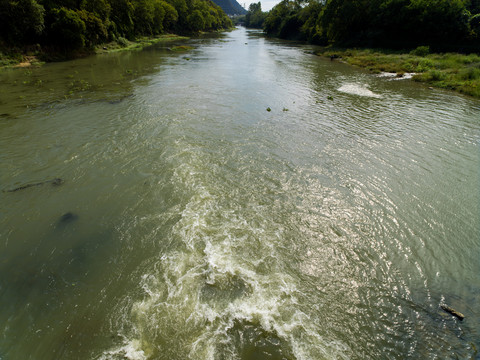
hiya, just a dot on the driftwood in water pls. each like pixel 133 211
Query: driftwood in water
pixel 55 182
pixel 453 311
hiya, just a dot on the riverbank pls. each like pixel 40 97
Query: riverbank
pixel 35 55
pixel 122 44
pixel 452 71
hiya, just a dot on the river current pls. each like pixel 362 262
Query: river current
pixel 244 199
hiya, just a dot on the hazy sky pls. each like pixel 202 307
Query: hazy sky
pixel 266 4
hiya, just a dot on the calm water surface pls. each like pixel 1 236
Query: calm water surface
pixel 202 226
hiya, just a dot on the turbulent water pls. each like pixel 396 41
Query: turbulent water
pixel 192 223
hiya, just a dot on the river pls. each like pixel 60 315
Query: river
pixel 243 199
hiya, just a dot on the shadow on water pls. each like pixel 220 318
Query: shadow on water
pixel 38 283
pixel 55 264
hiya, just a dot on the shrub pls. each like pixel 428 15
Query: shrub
pixel 435 75
pixel 425 65
pixel 471 73
pixel 67 29
pixel 95 30
pixel 21 21
pixel 421 51
pixel 122 41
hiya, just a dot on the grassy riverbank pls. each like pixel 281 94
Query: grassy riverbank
pixel 452 71
pixel 125 45
pixel 35 55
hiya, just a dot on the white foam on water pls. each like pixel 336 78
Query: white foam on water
pixel 224 275
pixel 130 350
pixel 174 308
pixel 395 76
pixel 358 89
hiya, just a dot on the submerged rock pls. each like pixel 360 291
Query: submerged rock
pixel 54 182
pixel 67 218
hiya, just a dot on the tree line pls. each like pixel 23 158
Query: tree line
pixel 79 24
pixel 441 24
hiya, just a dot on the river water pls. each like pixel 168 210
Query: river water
pixel 192 223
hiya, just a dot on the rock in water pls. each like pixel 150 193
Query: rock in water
pixel 67 218
pixel 57 181
pixel 452 311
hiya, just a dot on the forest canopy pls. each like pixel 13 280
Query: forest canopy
pixel 77 24
pixel 440 24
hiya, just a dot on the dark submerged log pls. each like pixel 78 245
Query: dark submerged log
pixel 452 311
pixel 54 182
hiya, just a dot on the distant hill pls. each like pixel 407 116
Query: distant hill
pixel 231 7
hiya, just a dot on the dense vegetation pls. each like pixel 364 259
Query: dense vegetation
pixel 440 24
pixel 430 38
pixel 459 72
pixel 67 25
pixel 255 17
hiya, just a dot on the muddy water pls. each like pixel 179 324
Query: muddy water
pixel 192 223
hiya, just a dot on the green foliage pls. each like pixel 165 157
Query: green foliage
pixel 122 41
pixel 450 70
pixel 68 25
pixel 143 16
pixel 95 30
pixel 158 17
pixel 310 18
pixel 431 75
pixel 470 73
pixel 171 16
pixel 421 51
pixel 475 26
pixel 196 21
pixel 425 65
pixel 21 20
pixel 255 17
pixel 283 21
pixel 67 29
pixel 438 24
pixel 100 8
pixel 121 16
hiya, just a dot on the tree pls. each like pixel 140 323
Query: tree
pixel 158 17
pixel 255 17
pixel 196 21
pixel 282 20
pixel 67 29
pixel 171 16
pixel 95 31
pixel 21 21
pixel 122 15
pixel 100 8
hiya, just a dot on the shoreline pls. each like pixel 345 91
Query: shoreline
pixel 451 71
pixel 26 58
pixel 137 44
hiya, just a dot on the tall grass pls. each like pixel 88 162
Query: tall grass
pixel 453 71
